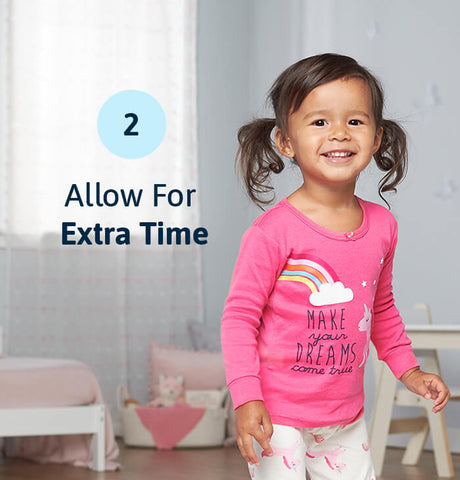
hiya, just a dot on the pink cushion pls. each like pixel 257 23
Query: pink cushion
pixel 202 370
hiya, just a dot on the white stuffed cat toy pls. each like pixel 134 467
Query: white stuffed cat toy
pixel 171 391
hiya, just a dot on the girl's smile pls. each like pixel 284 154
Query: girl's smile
pixel 339 156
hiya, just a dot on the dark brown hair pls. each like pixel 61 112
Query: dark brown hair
pixel 258 157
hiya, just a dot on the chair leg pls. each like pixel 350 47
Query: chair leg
pixel 415 446
pixel 438 429
pixel 441 447
pixel 381 418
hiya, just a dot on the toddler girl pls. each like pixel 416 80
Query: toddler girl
pixel 313 281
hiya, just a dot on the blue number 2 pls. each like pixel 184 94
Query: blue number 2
pixel 129 130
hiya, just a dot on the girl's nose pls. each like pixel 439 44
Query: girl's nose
pixel 339 132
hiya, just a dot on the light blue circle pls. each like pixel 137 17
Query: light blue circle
pixel 126 113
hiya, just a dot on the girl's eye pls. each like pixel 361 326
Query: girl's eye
pixel 318 122
pixel 355 120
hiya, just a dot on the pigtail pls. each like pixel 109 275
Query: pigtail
pixel 391 157
pixel 256 158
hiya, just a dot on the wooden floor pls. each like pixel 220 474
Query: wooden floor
pixel 197 464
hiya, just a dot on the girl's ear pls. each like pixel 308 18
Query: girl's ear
pixel 283 144
pixel 378 139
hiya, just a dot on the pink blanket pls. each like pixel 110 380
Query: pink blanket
pixel 169 425
pixel 36 382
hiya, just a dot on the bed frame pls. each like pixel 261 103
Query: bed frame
pixel 87 419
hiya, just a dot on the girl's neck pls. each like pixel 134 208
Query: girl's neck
pixel 330 197
pixel 334 209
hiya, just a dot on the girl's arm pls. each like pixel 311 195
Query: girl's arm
pixel 394 346
pixel 388 333
pixel 258 265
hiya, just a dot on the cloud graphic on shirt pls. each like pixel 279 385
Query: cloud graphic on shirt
pixel 331 293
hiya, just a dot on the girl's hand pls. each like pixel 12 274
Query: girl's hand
pixel 250 417
pixel 427 385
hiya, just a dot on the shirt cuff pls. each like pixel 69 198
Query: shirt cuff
pixel 400 362
pixel 244 390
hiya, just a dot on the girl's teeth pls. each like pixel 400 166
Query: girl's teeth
pixel 339 154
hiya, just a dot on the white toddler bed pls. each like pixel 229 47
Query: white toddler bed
pixel 50 397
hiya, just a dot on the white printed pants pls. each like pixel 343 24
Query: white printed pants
pixel 339 452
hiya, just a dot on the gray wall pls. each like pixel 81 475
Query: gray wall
pixel 224 60
pixel 412 47
pixel 233 77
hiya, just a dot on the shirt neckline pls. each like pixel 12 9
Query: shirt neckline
pixel 344 236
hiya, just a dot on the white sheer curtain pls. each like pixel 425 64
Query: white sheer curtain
pixel 60 61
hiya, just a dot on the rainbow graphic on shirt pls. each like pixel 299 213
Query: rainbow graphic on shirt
pixel 320 279
pixel 309 272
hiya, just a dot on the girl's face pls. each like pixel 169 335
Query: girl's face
pixel 333 134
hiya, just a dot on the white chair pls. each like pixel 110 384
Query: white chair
pixel 387 395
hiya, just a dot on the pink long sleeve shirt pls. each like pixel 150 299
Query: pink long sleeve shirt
pixel 303 304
